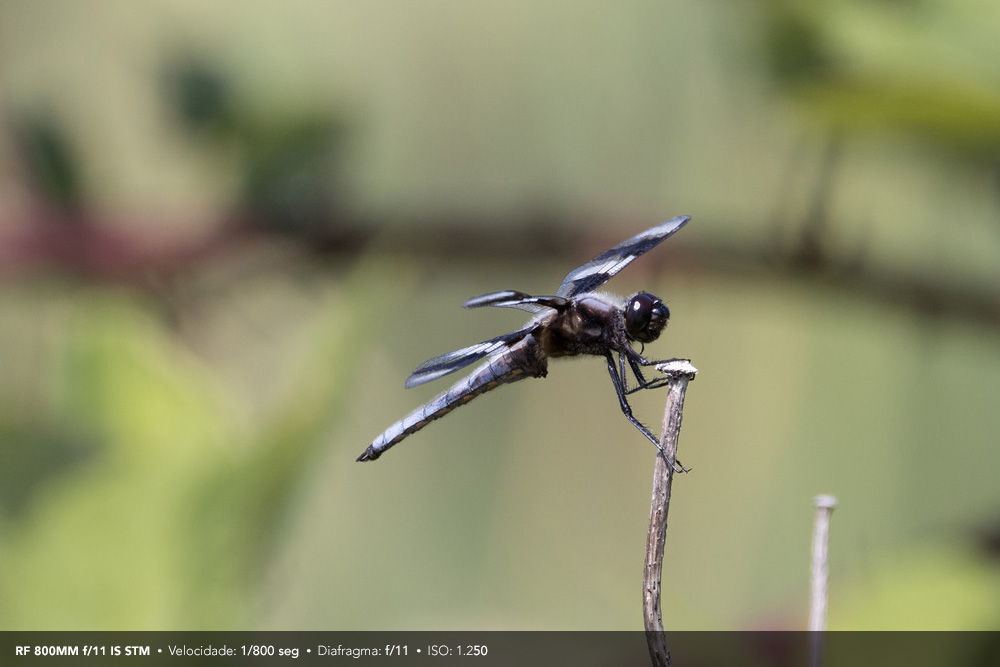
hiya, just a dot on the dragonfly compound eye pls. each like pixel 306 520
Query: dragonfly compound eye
pixel 645 317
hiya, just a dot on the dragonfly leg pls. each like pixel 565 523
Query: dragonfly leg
pixel 626 408
pixel 618 378
pixel 637 363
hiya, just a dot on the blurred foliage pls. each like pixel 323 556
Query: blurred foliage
pixel 942 587
pixel 202 96
pixel 51 162
pixel 172 529
pixel 287 161
pixel 36 452
pixel 143 487
pixel 925 67
pixel 288 182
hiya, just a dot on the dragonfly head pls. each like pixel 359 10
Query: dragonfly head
pixel 645 317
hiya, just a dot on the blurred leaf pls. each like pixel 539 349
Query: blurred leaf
pixel 949 116
pixel 794 48
pixel 241 506
pixel 927 68
pixel 288 162
pixel 201 94
pixel 96 551
pixel 52 164
pixel 927 588
pixel 172 528
pixel 34 454
pixel 289 184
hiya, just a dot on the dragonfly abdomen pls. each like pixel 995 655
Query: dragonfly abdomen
pixel 515 364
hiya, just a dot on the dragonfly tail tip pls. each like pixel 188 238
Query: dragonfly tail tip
pixel 368 455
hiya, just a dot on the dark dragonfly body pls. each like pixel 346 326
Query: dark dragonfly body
pixel 575 321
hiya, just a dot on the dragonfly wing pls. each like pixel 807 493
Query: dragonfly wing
pixel 599 270
pixel 515 299
pixel 437 367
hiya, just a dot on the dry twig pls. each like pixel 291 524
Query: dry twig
pixel 818 576
pixel 680 372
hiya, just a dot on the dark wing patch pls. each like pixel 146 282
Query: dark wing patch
pixel 599 270
pixel 505 299
pixel 515 299
pixel 437 367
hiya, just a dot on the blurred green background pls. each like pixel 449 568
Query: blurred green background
pixel 229 231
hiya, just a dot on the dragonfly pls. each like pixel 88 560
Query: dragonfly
pixel 577 320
